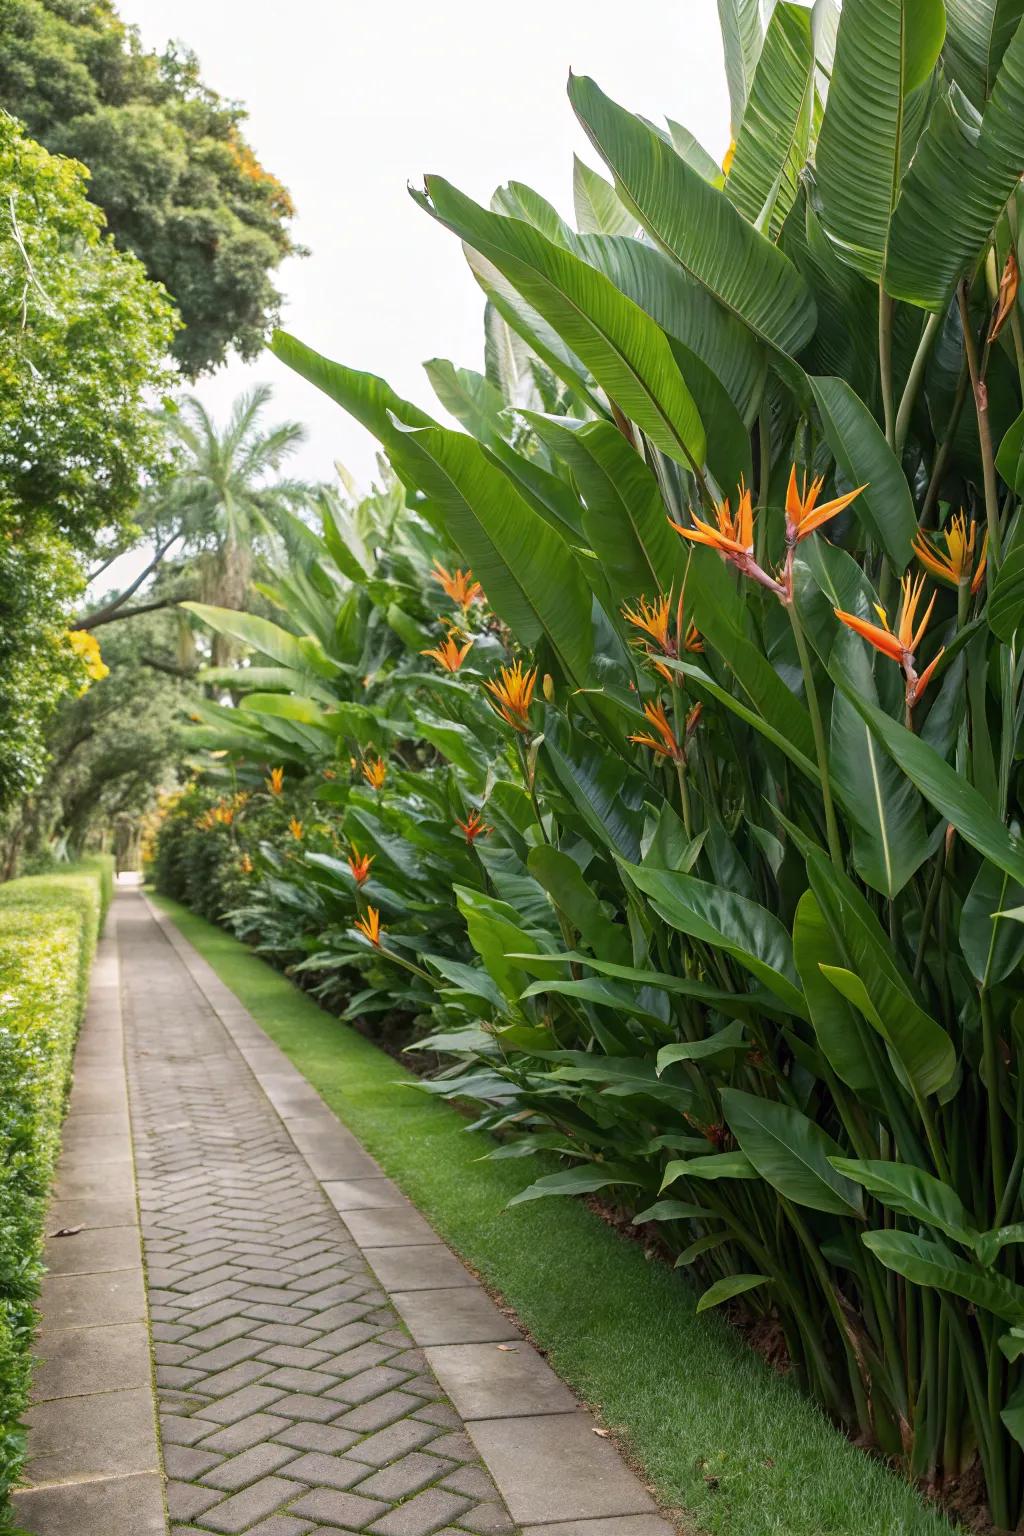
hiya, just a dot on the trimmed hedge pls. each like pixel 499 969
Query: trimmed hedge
pixel 49 925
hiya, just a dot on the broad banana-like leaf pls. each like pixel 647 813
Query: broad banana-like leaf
pixel 598 210
pixel 716 1165
pixel 914 1193
pixel 598 784
pixel 790 1152
pixel 872 980
pixel 885 49
pixel 728 1287
pixel 582 1180
pixel 518 201
pixel 697 224
pixel 266 680
pixel 474 401
pixel 835 1021
pixel 923 1050
pixel 957 186
pixel 742 37
pixel 751 934
pixel 530 576
pixel 537 336
pixel 771 146
pixel 931 1263
pixel 563 880
pixel 623 519
pixel 1005 608
pixel 688 314
pixel 978 33
pixel 992 946
pixel 627 353
pixel 884 506
pixel 300 653
pixel 690 149
pixel 725 1044
pixel 948 791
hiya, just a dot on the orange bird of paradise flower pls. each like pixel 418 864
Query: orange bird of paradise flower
pixel 458 585
pixel 902 645
pixel 732 535
pixel 665 743
pixel 803 514
pixel 511 697
pixel 295 828
pixel 956 563
pixel 473 827
pixel 369 926
pixel 375 772
pixel 654 620
pixel 449 654
pixel 275 783
pixel 359 864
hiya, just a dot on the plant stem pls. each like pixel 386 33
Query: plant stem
pixel 885 307
pixel 835 846
pixel 914 377
pixel 988 462
pixel 990 1062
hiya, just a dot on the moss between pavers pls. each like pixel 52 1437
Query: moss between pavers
pixel 49 925
pixel 715 1431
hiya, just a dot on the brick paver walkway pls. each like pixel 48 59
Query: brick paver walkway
pixel 290 1395
pixel 323 1363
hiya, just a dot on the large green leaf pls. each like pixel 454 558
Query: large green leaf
pixel 948 791
pixel 563 880
pixel 598 210
pixel 992 946
pixel 977 35
pixel 299 653
pixel 749 932
pixel 530 575
pixel 598 785
pixel 716 1165
pixel 702 332
pixel 884 50
pixel 956 187
pixel 723 1045
pixel 581 1180
pixel 772 142
pixel 625 350
pixel 922 1049
pixel 885 506
pixel 695 222
pixel 913 1192
pixel 742 1004
pixel 835 1021
pixel 728 1287
pixel 624 516
pixel 742 37
pixel 790 1152
pixel 779 738
pixel 872 979
pixel 1005 608
pixel 931 1263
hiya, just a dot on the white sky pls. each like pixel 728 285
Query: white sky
pixel 349 100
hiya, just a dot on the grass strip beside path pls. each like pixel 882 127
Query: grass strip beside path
pixel 715 1430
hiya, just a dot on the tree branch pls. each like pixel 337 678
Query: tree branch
pixel 106 616
pixel 109 610
pixel 170 667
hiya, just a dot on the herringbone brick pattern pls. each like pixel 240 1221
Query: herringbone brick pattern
pixel 292 1402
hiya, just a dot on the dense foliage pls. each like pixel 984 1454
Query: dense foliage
pixel 699 845
pixel 170 167
pixel 48 930
pixel 84 340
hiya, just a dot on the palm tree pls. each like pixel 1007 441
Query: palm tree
pixel 217 504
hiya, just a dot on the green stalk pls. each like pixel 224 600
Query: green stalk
pixel 835 847
pixel 988 462
pixel 914 378
pixel 885 308
pixel 990 1060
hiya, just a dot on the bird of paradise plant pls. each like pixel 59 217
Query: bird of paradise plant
pixel 784 977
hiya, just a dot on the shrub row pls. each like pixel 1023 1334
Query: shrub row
pixel 48 930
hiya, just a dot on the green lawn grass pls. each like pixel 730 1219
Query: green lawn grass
pixel 712 1428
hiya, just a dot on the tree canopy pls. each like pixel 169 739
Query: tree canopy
pixel 169 165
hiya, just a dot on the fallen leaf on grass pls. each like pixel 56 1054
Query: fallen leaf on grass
pixel 605 1434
